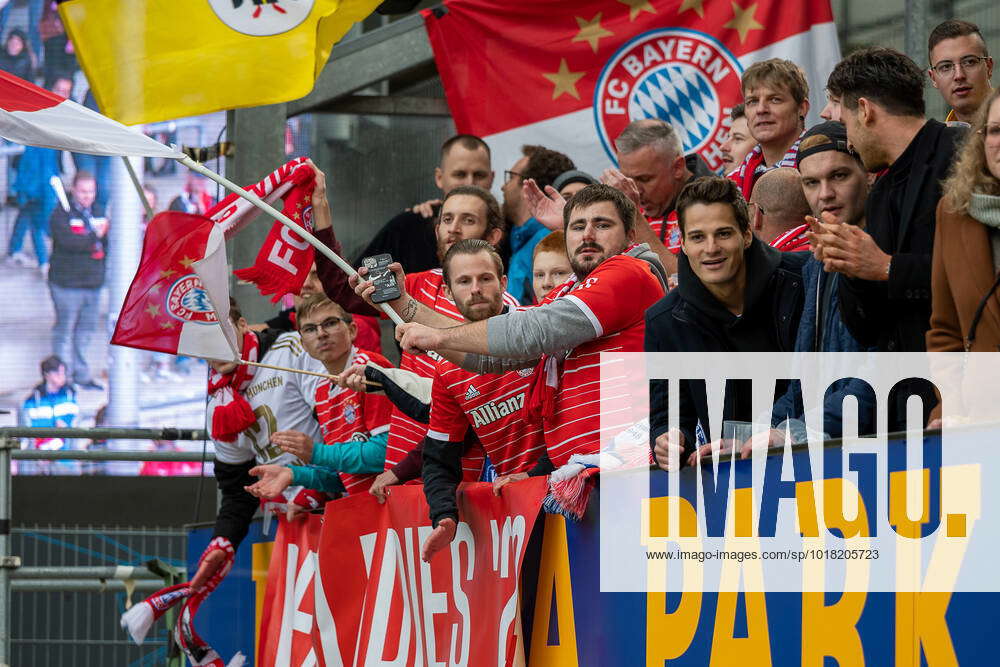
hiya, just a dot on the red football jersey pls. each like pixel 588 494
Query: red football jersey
pixel 345 415
pixel 671 236
pixel 620 322
pixel 427 287
pixel 494 407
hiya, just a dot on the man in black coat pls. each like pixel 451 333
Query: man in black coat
pixel 886 299
pixel 736 294
pixel 76 275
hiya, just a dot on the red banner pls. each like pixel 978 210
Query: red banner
pixel 375 602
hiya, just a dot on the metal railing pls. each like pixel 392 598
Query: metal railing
pixel 52 578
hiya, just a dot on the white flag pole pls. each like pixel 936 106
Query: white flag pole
pixel 283 219
pixel 138 188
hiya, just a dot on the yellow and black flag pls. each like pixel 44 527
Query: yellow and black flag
pixel 153 60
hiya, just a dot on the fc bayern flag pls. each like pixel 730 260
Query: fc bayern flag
pixel 571 75
pixel 180 287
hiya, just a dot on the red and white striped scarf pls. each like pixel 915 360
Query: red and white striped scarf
pixel 541 400
pixel 139 619
pixel 233 414
pixel 794 240
pixel 284 260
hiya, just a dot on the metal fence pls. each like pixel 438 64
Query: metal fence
pixel 61 626
pixel 63 588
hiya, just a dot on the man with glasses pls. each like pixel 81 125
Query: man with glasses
pixel 524 231
pixel 960 67
pixel 778 210
pixel 354 425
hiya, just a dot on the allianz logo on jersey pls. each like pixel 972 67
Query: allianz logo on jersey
pixel 495 410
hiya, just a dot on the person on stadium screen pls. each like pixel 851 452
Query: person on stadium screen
pixel 960 67
pixel 776 100
pixel 778 210
pixel 736 294
pixel 468 212
pixel 354 425
pixel 567 331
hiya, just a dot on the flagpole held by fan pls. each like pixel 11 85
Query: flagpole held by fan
pixel 285 220
pixel 334 378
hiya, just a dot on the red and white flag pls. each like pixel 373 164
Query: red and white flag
pixel 36 117
pixel 179 290
pixel 571 76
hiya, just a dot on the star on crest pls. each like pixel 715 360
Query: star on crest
pixel 187 262
pixel 169 324
pixel 695 5
pixel 154 288
pixel 564 80
pixel 637 6
pixel 591 31
pixel 153 310
pixel 743 21
pixel 166 273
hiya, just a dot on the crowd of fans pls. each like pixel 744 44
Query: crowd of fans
pixel 877 229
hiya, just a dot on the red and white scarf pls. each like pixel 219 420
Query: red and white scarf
pixel 233 414
pixel 284 260
pixel 138 620
pixel 541 400
pixel 794 240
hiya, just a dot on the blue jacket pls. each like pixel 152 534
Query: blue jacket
pixel 523 240
pixel 34 170
pixel 836 338
pixel 45 410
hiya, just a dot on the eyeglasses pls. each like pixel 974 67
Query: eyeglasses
pixel 329 324
pixel 991 133
pixel 967 63
pixel 508 175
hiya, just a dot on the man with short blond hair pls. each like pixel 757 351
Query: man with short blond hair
pixel 776 101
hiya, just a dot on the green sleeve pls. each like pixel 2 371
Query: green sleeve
pixel 359 458
pixel 319 479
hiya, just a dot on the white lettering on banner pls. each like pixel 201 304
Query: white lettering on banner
pixel 325 624
pixel 292 239
pixel 511 539
pixel 392 564
pixel 282 260
pixel 284 653
pixel 633 65
pixel 433 602
pixel 463 535
pixel 412 548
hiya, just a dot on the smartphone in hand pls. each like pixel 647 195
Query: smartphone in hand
pixel 384 280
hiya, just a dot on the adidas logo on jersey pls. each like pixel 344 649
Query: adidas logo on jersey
pixel 495 410
pixel 472 393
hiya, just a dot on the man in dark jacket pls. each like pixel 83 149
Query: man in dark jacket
pixel 77 275
pixel 409 237
pixel 736 294
pixel 886 299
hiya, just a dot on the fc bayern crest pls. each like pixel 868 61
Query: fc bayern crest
pixel 188 301
pixel 684 77
pixel 262 18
